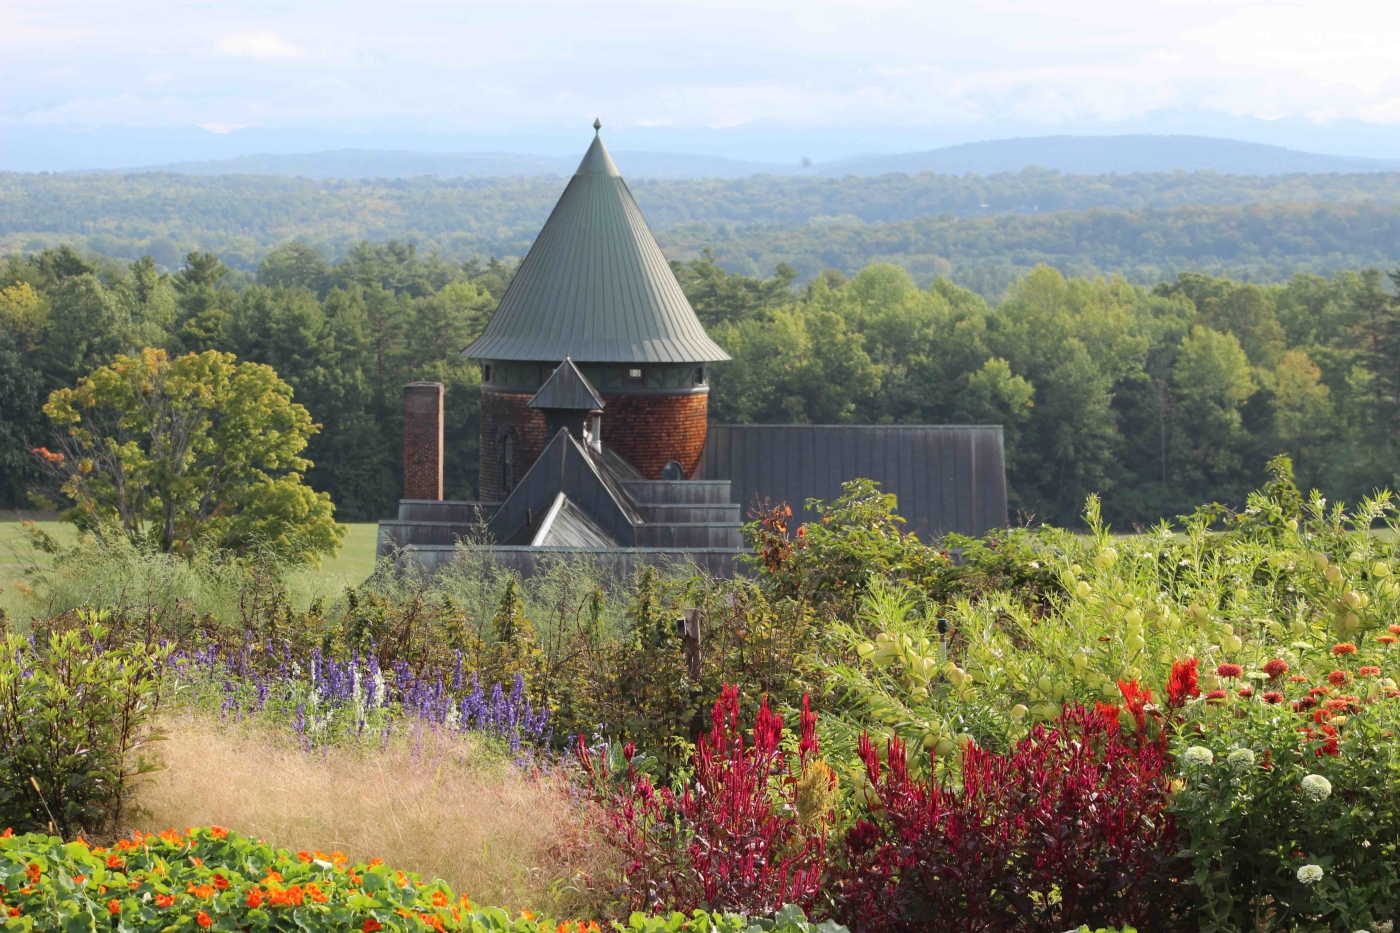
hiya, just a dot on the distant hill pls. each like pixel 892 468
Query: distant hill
pixel 1103 155
pixel 982 231
pixel 374 163
pixel 1077 155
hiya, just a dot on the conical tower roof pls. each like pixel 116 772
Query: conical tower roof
pixel 594 286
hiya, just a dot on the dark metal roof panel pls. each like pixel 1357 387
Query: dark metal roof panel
pixel 572 527
pixel 567 388
pixel 946 478
pixel 595 286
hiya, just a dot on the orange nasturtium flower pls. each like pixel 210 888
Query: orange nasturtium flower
pixel 218 832
pixel 372 926
pixel 439 899
pixel 220 882
pixel 164 900
pixel 114 906
pixel 203 919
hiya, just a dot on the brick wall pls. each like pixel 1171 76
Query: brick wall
pixel 422 440
pixel 649 431
pixel 507 410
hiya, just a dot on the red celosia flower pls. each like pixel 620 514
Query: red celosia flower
pixel 1229 671
pixel 1273 696
pixel 1109 713
pixel 1135 700
pixel 1275 668
pixel 1182 685
pixel 1345 647
pixel 1368 671
pixel 1338 678
pixel 1216 696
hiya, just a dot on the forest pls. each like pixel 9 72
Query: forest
pixel 1158 397
pixel 981 232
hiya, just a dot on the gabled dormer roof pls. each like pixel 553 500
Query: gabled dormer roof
pixel 595 285
pixel 569 389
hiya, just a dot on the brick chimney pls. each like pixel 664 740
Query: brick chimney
pixel 422 440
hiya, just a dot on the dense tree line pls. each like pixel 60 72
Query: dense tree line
pixel 1164 396
pixel 970 228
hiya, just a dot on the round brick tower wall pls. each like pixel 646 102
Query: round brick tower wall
pixel 507 412
pixel 649 431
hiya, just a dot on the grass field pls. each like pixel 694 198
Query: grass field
pixel 348 568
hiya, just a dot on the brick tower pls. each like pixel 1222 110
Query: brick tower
pixel 595 288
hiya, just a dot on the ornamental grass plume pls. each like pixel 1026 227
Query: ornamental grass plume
pixel 436 802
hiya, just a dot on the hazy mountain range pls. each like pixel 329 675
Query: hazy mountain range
pixel 1079 155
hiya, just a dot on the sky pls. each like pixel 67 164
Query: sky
pixel 752 79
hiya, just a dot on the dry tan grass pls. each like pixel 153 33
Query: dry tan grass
pixel 437 804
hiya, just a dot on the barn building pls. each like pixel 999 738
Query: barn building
pixel 595 437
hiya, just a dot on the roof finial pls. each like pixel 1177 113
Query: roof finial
pixel 597 125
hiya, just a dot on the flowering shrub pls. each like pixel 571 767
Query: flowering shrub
pixel 748 834
pixel 1292 816
pixel 1071 827
pixel 211 879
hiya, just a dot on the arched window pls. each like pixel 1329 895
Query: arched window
pixel 507 463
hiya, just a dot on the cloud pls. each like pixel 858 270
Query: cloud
pixel 220 128
pixel 262 44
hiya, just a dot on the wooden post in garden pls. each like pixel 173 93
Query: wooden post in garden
pixel 690 640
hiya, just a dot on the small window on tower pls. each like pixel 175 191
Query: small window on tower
pixel 486 372
pixel 699 375
pixel 634 376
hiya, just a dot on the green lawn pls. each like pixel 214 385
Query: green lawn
pixel 348 568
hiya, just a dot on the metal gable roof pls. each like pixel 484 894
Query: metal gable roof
pixel 567 388
pixel 595 286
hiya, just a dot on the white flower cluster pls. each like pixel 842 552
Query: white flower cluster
pixel 1384 926
pixel 1309 874
pixel 1198 755
pixel 1316 788
pixel 1241 759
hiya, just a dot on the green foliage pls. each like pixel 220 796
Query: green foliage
pixel 1257 814
pixel 209 878
pixel 75 717
pixel 196 449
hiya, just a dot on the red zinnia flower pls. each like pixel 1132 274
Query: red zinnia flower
pixel 1337 678
pixel 1306 703
pixel 1246 692
pixel 1370 672
pixel 1297 679
pixel 1216 696
pixel 1275 668
pixel 1386 639
pixel 1229 670
pixel 1393 629
pixel 1345 647
pixel 1273 696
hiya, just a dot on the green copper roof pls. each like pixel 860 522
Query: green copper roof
pixel 595 286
